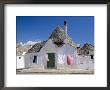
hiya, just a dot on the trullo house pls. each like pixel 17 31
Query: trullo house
pixel 20 52
pixel 58 52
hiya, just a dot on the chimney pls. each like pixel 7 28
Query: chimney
pixel 65 28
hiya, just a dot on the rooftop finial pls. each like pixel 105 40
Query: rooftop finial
pixel 65 27
pixel 65 23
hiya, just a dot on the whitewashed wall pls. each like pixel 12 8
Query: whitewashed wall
pixel 49 47
pixel 29 61
pixel 63 52
pixel 60 56
pixel 85 62
pixel 20 62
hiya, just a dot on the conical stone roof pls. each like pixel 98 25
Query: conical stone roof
pixel 87 49
pixel 36 47
pixel 20 49
pixel 58 38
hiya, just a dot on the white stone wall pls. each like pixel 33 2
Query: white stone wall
pixel 20 62
pixel 49 47
pixel 85 62
pixel 29 61
pixel 60 56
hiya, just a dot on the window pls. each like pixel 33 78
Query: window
pixel 19 57
pixel 35 59
pixel 92 57
pixel 87 52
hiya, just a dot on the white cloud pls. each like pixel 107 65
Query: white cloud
pixel 78 45
pixel 29 43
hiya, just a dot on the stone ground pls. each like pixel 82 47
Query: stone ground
pixel 54 71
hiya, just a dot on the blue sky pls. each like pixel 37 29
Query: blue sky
pixel 35 28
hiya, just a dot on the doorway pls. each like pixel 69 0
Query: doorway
pixel 51 61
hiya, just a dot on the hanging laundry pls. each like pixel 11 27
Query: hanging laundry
pixel 61 58
pixel 46 57
pixel 69 60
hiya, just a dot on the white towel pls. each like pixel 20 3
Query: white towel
pixel 61 59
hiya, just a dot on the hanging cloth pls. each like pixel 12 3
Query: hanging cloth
pixel 69 60
pixel 61 58
pixel 46 57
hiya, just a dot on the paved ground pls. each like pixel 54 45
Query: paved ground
pixel 54 71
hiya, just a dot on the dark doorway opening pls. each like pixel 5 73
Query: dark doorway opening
pixel 92 57
pixel 35 59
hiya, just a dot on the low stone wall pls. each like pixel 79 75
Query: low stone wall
pixel 54 71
